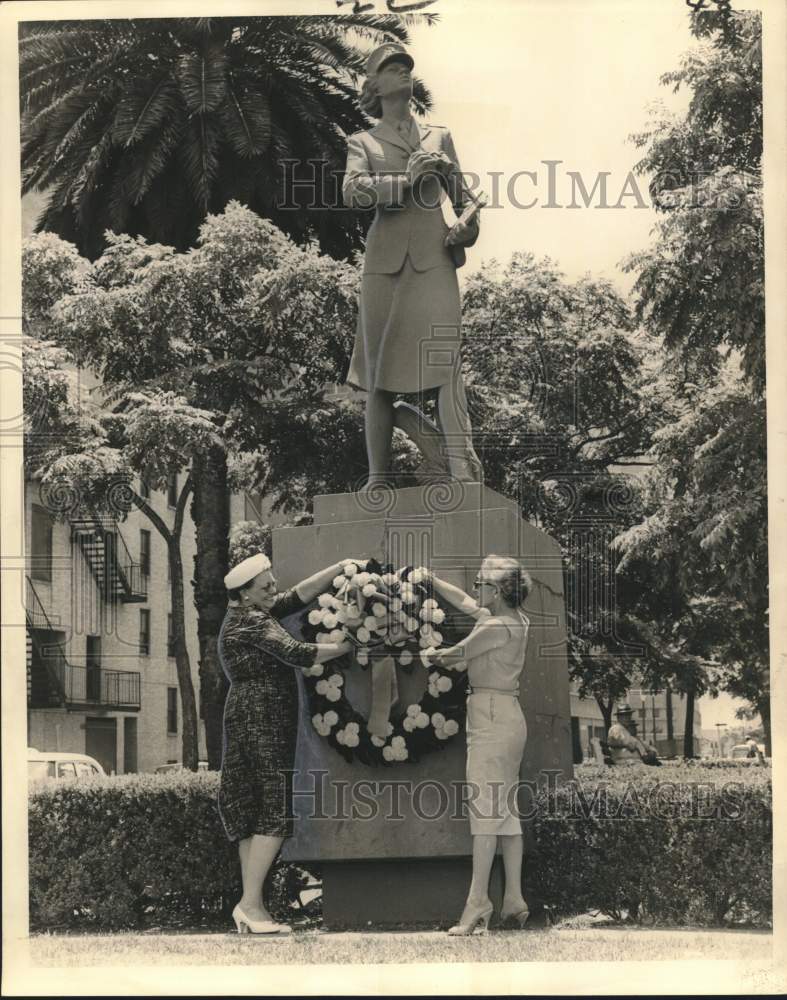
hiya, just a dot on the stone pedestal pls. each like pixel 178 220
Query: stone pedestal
pixel 389 817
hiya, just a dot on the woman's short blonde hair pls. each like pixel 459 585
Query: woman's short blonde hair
pixel 370 98
pixel 514 582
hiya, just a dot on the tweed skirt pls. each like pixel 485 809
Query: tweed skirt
pixel 409 330
pixel 496 737
pixel 260 735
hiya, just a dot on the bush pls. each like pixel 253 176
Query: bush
pixel 689 846
pixel 684 845
pixel 139 850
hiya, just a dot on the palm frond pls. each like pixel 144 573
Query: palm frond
pixel 142 109
pixel 202 77
pixel 247 123
pixel 199 155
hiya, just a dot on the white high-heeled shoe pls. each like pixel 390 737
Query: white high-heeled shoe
pixel 519 917
pixel 246 925
pixel 473 921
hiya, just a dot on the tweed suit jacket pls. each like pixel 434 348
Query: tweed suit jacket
pixel 406 222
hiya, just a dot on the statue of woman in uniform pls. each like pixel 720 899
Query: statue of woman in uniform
pixel 409 324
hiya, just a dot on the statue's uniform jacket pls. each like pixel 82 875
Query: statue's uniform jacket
pixel 409 322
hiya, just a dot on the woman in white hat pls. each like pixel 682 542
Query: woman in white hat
pixel 494 657
pixel 260 721
pixel 409 322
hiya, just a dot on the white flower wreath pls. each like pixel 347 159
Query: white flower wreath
pixel 386 613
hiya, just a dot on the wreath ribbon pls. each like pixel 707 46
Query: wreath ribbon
pixel 385 691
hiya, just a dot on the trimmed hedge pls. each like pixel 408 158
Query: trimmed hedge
pixel 137 851
pixel 684 845
pixel 687 845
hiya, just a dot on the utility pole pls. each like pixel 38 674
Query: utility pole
pixel 719 726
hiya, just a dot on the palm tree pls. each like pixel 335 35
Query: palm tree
pixel 146 126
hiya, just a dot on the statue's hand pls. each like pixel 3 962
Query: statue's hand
pixel 461 232
pixel 421 163
pixel 400 635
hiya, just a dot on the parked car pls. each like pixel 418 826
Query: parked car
pixel 44 764
pixel 173 765
pixel 742 750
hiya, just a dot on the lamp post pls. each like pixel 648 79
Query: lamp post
pixel 719 726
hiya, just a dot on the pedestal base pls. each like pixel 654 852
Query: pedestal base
pixel 344 811
pixel 432 892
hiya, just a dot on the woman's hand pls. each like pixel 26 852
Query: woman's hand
pixel 462 232
pixel 360 563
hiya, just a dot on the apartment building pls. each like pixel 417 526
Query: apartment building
pixel 101 676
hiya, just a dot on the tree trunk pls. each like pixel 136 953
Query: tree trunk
pixel 670 721
pixel 764 709
pixel 210 513
pixel 688 731
pixel 190 737
pixel 188 701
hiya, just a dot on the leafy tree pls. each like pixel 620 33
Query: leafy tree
pixel 88 456
pixel 144 126
pixel 238 340
pixel 248 538
pixel 700 292
pixel 557 381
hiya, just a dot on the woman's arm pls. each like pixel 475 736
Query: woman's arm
pixel 314 585
pixel 458 598
pixel 491 633
pixel 264 633
pixel 364 190
pixel 330 650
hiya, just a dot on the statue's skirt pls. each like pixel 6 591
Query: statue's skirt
pixel 409 330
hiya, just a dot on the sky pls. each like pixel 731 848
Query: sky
pixel 522 83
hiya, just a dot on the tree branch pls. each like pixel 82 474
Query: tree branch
pixel 155 519
pixel 181 506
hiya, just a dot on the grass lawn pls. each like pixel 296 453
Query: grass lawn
pixel 566 944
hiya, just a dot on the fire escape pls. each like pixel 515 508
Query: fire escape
pixel 117 575
pixel 53 681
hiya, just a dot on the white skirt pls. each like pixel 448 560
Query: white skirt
pixel 496 737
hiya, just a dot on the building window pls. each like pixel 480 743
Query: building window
pixel 144 552
pixel 172 489
pixel 144 489
pixel 93 664
pixel 144 632
pixel 41 545
pixel 172 710
pixel 170 635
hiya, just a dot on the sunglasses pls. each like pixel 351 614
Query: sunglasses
pixel 477 584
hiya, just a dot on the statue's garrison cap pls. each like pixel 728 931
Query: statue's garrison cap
pixel 385 53
pixel 246 571
pixel 624 708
